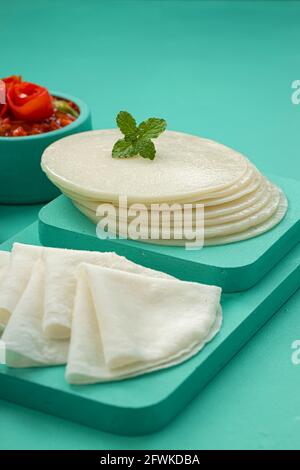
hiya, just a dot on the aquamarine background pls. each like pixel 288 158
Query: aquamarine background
pixel 220 69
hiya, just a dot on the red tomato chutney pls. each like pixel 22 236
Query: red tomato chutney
pixel 64 113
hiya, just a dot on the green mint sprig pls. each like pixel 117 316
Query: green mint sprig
pixel 137 139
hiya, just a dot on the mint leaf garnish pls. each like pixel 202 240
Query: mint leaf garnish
pixel 122 149
pixel 151 128
pixel 146 149
pixel 137 140
pixel 127 125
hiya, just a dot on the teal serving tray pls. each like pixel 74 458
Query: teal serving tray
pixel 147 403
pixel 234 267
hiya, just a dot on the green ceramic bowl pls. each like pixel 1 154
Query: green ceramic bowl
pixel 22 180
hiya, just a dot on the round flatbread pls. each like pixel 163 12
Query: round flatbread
pixel 187 169
pixel 185 166
pixel 251 225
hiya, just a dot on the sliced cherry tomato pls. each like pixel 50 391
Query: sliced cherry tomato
pixel 12 80
pixel 29 102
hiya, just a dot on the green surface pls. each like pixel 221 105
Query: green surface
pixel 147 403
pixel 220 69
pixel 234 267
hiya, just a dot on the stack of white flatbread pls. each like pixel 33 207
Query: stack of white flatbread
pixel 104 316
pixel 238 201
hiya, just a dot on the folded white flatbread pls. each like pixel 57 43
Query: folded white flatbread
pixel 60 282
pixel 123 319
pixel 16 278
pixel 126 324
pixel 26 344
pixel 4 264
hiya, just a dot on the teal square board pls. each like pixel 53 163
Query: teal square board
pixel 147 403
pixel 234 267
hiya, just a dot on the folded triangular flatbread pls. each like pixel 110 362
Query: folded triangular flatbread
pixel 4 264
pixel 16 278
pixel 26 344
pixel 124 319
pixel 60 283
pixel 127 324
